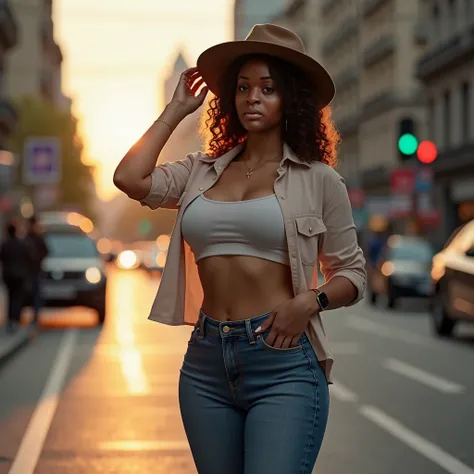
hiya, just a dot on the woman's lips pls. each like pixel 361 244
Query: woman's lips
pixel 253 115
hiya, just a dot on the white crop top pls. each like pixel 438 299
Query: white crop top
pixel 254 228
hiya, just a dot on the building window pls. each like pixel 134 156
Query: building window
pixel 447 119
pixel 465 110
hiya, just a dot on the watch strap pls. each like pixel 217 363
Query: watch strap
pixel 317 293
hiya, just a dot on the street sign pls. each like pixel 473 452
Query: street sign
pixel 402 181
pixel 402 186
pixel 424 179
pixel 42 160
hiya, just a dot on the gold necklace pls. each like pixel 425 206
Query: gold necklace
pixel 251 170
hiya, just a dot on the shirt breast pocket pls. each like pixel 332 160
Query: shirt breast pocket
pixel 309 230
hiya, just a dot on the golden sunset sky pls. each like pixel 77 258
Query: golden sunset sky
pixel 116 55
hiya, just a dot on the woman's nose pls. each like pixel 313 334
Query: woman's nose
pixel 253 97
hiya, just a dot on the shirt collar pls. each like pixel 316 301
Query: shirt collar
pixel 223 161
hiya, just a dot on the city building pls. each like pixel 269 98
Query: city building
pixel 186 137
pixel 8 40
pixel 247 13
pixel 447 71
pixel 8 115
pixel 303 17
pixel 34 66
pixel 370 47
pixel 340 25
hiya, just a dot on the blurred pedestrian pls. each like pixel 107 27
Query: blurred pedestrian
pixel 257 213
pixel 39 251
pixel 16 260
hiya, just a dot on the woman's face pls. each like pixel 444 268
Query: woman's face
pixel 257 99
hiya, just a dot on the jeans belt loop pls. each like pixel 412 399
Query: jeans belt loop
pixel 248 327
pixel 202 321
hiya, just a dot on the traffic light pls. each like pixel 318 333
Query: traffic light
pixel 409 145
pixel 427 152
pixel 407 141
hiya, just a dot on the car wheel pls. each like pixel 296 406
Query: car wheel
pixel 442 323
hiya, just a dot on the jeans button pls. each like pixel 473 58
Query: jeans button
pixel 226 329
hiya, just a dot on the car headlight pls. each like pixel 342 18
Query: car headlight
pixel 127 260
pixel 93 275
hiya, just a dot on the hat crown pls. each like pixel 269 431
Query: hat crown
pixel 274 34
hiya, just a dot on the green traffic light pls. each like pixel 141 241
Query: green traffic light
pixel 407 144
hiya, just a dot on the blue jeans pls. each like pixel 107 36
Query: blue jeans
pixel 247 407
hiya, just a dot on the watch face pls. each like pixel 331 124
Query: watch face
pixel 323 300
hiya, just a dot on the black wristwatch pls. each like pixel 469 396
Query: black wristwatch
pixel 321 298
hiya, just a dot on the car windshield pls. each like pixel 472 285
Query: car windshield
pixel 414 251
pixel 70 245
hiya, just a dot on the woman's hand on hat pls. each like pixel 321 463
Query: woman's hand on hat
pixel 288 321
pixel 185 94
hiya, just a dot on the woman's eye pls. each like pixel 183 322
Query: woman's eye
pixel 242 88
pixel 268 90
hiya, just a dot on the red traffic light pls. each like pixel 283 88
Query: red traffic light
pixel 427 152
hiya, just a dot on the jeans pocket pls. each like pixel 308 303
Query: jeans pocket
pixel 279 350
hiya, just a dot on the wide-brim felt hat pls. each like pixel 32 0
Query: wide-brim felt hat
pixel 272 40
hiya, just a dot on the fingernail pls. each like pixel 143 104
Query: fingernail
pixel 258 329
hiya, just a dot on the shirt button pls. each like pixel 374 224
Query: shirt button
pixel 226 329
pixel 282 197
pixel 310 229
pixel 201 189
pixel 218 167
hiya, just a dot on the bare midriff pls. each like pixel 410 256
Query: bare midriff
pixel 239 287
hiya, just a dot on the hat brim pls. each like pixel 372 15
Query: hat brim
pixel 214 61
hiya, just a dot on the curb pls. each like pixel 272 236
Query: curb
pixel 14 343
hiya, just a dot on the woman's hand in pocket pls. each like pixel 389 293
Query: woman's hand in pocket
pixel 289 320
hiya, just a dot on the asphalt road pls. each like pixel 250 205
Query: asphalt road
pixel 82 400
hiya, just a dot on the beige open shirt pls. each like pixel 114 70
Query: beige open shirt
pixel 318 225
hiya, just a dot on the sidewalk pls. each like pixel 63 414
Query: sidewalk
pixel 10 343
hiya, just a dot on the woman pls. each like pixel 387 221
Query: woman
pixel 256 214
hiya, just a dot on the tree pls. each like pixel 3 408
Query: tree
pixel 39 118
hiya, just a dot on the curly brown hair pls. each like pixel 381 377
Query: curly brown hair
pixel 309 130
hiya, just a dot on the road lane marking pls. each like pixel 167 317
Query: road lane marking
pixel 419 375
pixel 362 324
pixel 33 440
pixel 134 445
pixel 430 450
pixel 342 393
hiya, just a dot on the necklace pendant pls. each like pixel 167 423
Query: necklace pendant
pixel 249 173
